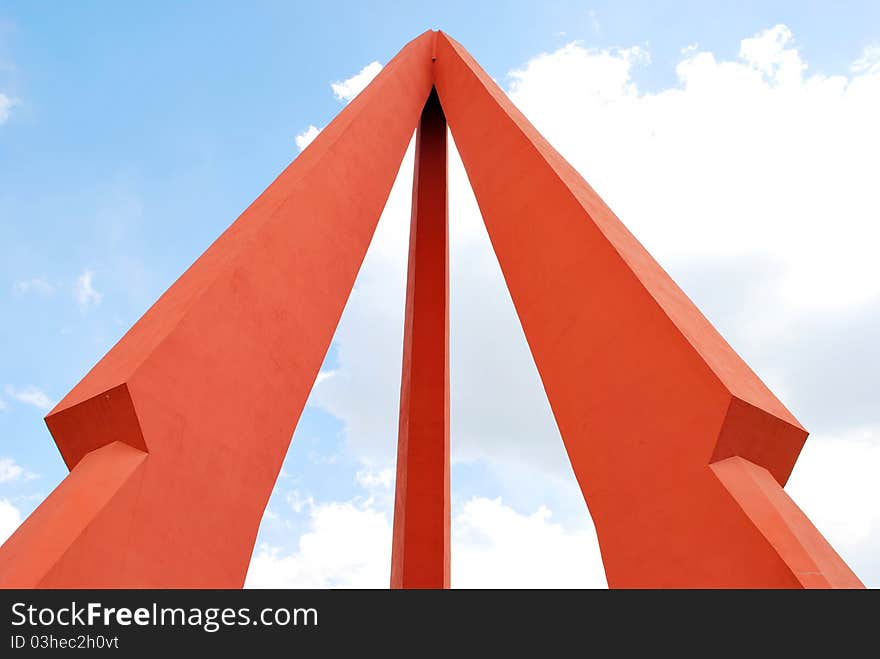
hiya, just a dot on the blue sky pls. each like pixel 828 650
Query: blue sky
pixel 134 133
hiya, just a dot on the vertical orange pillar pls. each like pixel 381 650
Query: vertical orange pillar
pixel 420 549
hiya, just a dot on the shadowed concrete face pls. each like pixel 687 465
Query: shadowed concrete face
pixel 420 547
pixel 175 438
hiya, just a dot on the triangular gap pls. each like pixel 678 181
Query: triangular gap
pixel 519 518
pixel 328 522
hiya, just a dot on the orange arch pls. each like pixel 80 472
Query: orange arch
pixel 175 438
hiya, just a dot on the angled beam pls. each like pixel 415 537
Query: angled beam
pixel 650 400
pixel 420 546
pixel 204 392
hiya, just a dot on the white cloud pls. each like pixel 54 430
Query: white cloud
pixel 835 482
pixel 747 157
pixel 9 470
pixel 10 518
pixel 323 375
pixel 305 138
pixel 351 87
pixel 298 502
pixel 38 285
pixel 372 479
pixel 84 291
pixel 6 105
pixel 771 53
pixel 348 545
pixel 30 395
pixel 869 62
pixel 496 547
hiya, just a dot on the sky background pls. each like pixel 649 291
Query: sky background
pixel 738 141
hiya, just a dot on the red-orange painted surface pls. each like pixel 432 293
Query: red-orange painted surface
pixel 420 547
pixel 649 398
pixel 175 438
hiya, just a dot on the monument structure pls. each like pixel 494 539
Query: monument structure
pixel 175 438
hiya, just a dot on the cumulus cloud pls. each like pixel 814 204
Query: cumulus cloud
pixel 835 482
pixel 9 470
pixel 305 138
pixel 10 519
pixel 348 545
pixel 496 547
pixel 298 502
pixel 30 395
pixel 869 62
pixel 84 291
pixel 749 157
pixel 372 479
pixel 351 87
pixel 771 53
